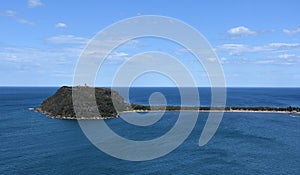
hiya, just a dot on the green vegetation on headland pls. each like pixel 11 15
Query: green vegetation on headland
pixel 226 109
pixel 61 105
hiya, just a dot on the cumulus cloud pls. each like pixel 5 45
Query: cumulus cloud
pixel 61 25
pixel 34 3
pixel 241 31
pixel 67 39
pixel 291 31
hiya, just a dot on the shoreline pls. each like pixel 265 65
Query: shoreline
pixel 206 111
pixel 49 115
pixel 159 111
pixel 61 106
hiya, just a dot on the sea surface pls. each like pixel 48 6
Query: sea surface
pixel 245 143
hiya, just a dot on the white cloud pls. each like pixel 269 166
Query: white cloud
pixel 67 39
pixel 24 21
pixel 13 15
pixel 38 60
pixel 286 56
pixel 28 54
pixel 212 59
pixel 120 54
pixel 284 45
pixel 246 54
pixel 241 31
pixel 233 49
pixel 238 49
pixel 46 61
pixel 34 3
pixel 62 74
pixel 223 60
pixel 181 51
pixel 133 43
pixel 291 31
pixel 61 25
pixel 264 61
pixel 9 13
pixel 117 57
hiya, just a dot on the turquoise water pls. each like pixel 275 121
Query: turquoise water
pixel 245 143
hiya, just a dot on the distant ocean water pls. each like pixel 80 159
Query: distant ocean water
pixel 245 143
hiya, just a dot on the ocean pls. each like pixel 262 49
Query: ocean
pixel 245 143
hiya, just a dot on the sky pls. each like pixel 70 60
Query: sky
pixel 257 42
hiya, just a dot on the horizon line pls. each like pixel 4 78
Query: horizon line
pixel 41 86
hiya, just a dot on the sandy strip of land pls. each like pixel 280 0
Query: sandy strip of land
pixel 160 111
pixel 206 111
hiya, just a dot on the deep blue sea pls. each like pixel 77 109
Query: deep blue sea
pixel 245 143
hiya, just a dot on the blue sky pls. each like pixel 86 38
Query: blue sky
pixel 257 42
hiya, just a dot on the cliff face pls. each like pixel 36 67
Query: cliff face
pixel 60 105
